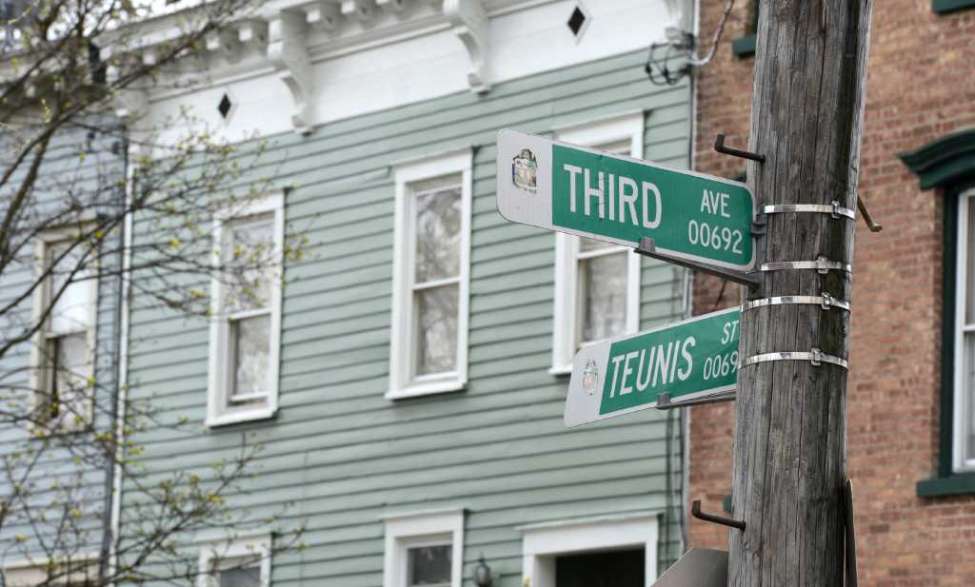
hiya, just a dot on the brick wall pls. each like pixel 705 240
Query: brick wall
pixel 921 86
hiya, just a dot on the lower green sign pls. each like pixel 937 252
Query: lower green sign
pixel 687 360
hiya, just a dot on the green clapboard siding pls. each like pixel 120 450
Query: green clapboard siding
pixel 339 455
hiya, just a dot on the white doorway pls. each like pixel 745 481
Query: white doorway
pixel 549 547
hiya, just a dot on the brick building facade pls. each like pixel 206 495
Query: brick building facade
pixel 914 510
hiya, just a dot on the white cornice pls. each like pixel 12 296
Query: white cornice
pixel 325 67
pixel 290 35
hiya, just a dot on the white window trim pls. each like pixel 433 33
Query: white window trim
pixel 38 341
pixel 541 543
pixel 237 548
pixel 961 462
pixel 218 377
pixel 401 382
pixel 409 529
pixel 564 335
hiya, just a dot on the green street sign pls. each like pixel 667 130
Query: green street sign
pixel 690 216
pixel 687 361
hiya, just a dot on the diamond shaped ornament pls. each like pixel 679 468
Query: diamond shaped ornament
pixel 224 106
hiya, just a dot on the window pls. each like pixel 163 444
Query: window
pixel 964 388
pixel 424 549
pixel 240 563
pixel 945 164
pixel 64 348
pixel 744 46
pixel 246 313
pixel 597 284
pixel 431 277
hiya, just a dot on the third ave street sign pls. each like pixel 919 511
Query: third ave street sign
pixel 687 360
pixel 690 216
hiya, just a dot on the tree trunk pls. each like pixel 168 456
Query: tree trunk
pixel 790 438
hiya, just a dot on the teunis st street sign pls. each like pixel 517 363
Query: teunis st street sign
pixel 689 216
pixel 687 360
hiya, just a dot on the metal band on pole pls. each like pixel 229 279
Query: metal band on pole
pixel 825 301
pixel 834 209
pixel 823 265
pixel 816 357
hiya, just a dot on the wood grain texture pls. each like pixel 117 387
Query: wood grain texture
pixel 790 443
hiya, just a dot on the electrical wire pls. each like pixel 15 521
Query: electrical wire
pixel 656 67
pixel 696 61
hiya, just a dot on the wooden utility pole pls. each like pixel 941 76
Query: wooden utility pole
pixel 790 438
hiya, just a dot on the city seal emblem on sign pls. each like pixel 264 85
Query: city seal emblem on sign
pixel 524 169
pixel 590 377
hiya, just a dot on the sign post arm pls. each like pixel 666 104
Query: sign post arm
pixel 647 249
pixel 664 403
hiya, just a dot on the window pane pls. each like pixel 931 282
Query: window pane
pixel 72 311
pixel 438 219
pixel 968 425
pixel 970 269
pixel 252 343
pixel 249 258
pixel 69 375
pixel 73 354
pixel 242 577
pixel 602 296
pixel 429 565
pixel 436 332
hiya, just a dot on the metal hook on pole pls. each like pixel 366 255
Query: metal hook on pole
pixel 720 147
pixel 867 218
pixel 697 513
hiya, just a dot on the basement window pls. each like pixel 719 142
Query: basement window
pixel 239 563
pixel 424 549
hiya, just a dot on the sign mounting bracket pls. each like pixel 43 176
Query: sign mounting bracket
pixel 664 403
pixel 648 249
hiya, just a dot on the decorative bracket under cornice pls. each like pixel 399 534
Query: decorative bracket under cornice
pixel 469 22
pixel 287 49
